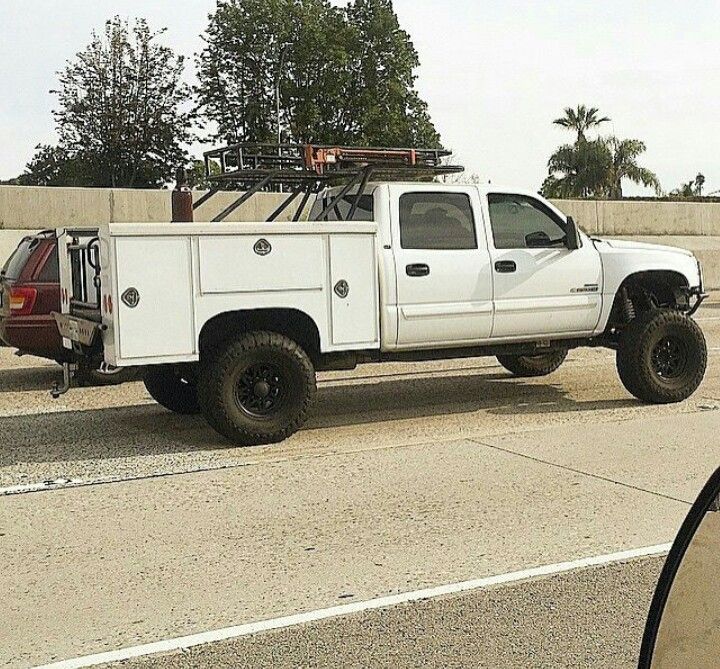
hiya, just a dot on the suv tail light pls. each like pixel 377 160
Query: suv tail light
pixel 22 301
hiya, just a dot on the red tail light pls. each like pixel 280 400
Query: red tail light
pixel 22 301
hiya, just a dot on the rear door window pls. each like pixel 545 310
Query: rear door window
pixel 437 221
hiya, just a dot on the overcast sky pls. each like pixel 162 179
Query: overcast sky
pixel 495 74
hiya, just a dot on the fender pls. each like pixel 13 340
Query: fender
pixel 622 260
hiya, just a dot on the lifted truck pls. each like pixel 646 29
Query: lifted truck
pixel 233 320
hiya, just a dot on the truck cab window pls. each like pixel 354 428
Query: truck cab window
pixel 363 212
pixel 437 221
pixel 521 222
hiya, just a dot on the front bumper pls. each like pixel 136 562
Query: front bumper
pixel 696 296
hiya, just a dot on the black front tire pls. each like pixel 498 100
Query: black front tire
pixel 257 389
pixel 533 365
pixel 662 357
pixel 174 387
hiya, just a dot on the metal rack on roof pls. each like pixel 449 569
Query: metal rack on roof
pixel 307 168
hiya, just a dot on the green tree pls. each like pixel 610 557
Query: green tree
pixel 692 188
pixel 344 75
pixel 594 168
pixel 685 190
pixel 55 166
pixel 386 107
pixel 624 165
pixel 597 169
pixel 237 68
pixel 578 170
pixel 581 119
pixel 197 177
pixel 120 119
pixel 317 81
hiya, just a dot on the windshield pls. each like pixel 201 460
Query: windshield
pixel 17 261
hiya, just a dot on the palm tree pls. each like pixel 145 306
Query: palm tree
pixel 624 155
pixel 686 190
pixel 578 170
pixel 581 120
pixel 692 188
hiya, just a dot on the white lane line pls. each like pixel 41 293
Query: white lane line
pixel 192 640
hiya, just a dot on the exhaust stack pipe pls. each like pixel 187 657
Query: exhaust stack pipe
pixel 182 199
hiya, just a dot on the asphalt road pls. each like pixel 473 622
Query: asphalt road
pixel 408 476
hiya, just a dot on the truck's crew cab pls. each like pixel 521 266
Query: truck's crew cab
pixel 234 319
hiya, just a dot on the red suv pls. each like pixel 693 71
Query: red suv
pixel 29 292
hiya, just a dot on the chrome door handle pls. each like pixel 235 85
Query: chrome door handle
pixel 505 266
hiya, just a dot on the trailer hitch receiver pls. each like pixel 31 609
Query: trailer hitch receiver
pixel 59 390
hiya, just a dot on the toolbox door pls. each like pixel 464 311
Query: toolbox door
pixel 154 297
pixel 354 290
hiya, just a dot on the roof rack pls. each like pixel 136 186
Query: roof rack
pixel 306 168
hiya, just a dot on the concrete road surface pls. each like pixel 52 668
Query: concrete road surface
pixel 122 524
pixel 584 619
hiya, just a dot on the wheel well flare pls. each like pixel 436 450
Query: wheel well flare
pixel 292 323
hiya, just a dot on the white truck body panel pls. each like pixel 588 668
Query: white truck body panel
pixel 188 273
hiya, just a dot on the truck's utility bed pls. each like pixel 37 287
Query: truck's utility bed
pixel 163 282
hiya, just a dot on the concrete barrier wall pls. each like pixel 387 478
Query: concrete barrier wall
pixel 632 218
pixel 30 208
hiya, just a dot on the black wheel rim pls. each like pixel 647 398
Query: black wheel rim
pixel 669 358
pixel 260 390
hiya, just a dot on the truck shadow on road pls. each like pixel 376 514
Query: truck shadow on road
pixel 28 379
pixel 495 393
pixel 140 430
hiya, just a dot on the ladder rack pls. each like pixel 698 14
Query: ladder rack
pixel 307 168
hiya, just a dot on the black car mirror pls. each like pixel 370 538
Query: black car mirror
pixel 683 626
pixel 538 239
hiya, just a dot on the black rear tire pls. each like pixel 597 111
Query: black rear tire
pixel 257 389
pixel 662 357
pixel 533 365
pixel 173 387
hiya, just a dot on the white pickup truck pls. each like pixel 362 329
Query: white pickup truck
pixel 234 319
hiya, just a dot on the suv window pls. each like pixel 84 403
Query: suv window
pixel 17 261
pixel 341 211
pixel 50 272
pixel 437 221
pixel 521 222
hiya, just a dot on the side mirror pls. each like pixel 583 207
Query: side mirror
pixel 572 235
pixel 537 240
pixel 683 626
